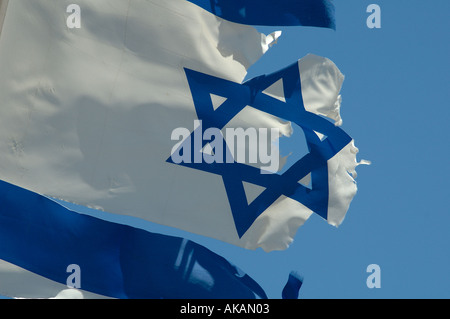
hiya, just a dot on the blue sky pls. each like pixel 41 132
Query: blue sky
pixel 396 106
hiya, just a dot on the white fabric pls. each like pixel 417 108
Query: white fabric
pixel 3 6
pixel 87 114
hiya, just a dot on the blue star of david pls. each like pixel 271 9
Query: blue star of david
pixel 234 174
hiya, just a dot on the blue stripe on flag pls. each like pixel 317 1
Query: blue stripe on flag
pixel 292 287
pixel 115 260
pixel 316 13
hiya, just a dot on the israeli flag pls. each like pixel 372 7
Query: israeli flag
pixel 140 108
pixel 122 113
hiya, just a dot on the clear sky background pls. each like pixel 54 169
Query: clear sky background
pixel 396 105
